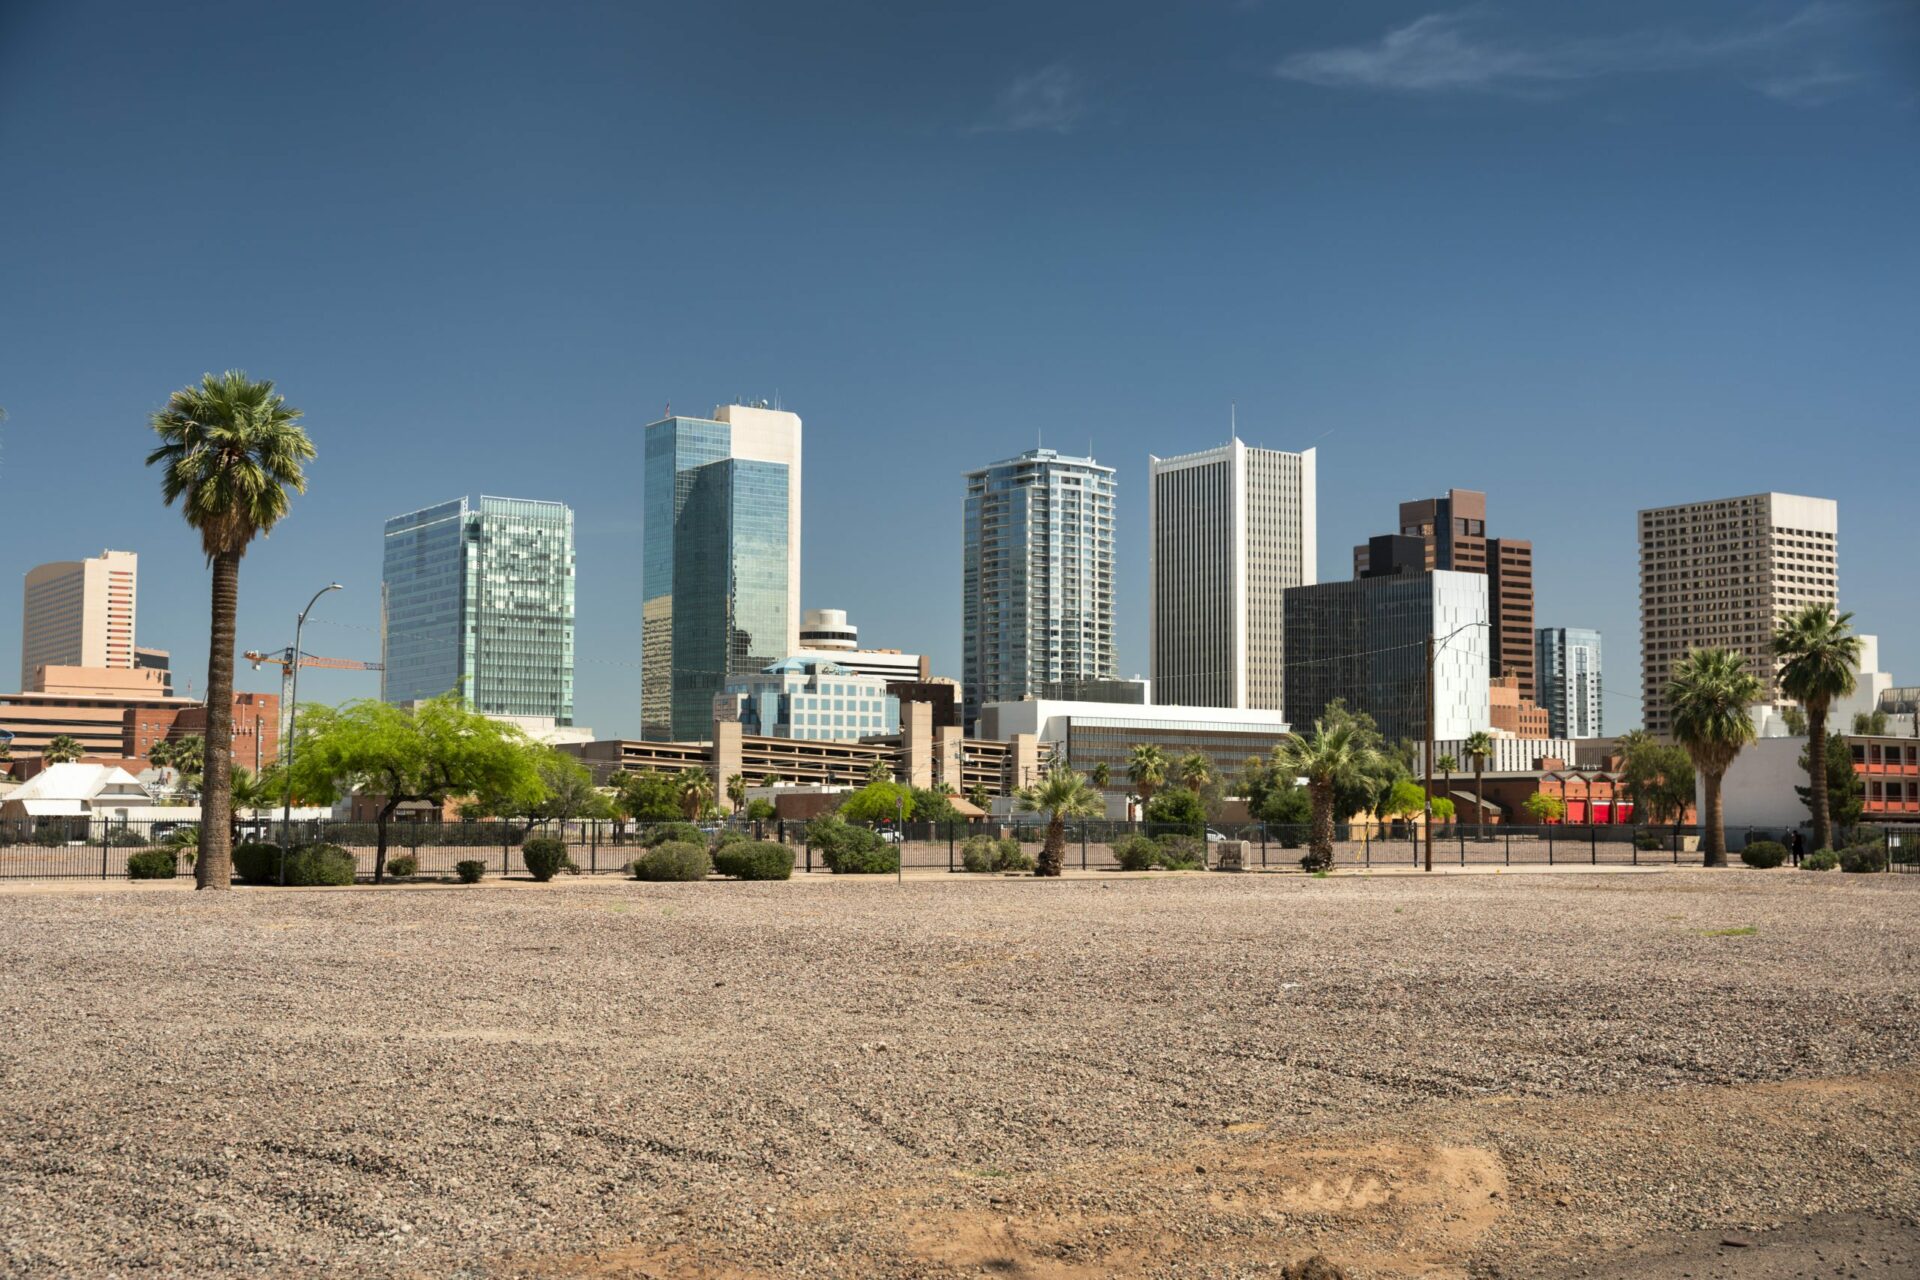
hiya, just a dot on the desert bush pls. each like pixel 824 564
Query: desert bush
pixel 754 860
pixel 866 854
pixel 256 862
pixel 674 860
pixel 469 870
pixel 1647 840
pixel 1137 853
pixel 984 853
pixel 730 835
pixel 545 857
pixel 402 866
pixel 1182 853
pixel 1864 857
pixel 316 864
pixel 1820 860
pixel 127 838
pixel 1764 854
pixel 154 864
pixel 682 832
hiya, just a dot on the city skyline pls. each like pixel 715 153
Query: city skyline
pixel 1619 295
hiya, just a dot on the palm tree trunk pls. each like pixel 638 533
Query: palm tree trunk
pixel 1713 841
pixel 1320 838
pixel 1479 796
pixel 214 868
pixel 1447 782
pixel 1053 854
pixel 1817 775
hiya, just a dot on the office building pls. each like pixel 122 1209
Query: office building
pixel 1135 692
pixel 477 598
pixel 1451 533
pixel 809 697
pixel 1036 576
pixel 126 725
pixel 1721 574
pixel 1567 660
pixel 79 613
pixel 1232 529
pixel 1510 715
pixel 720 575
pixel 145 659
pixel 826 634
pixel 1089 734
pixel 1365 641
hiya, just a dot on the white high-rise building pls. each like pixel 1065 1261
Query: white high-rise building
pixel 1720 575
pixel 1036 577
pixel 1567 665
pixel 79 613
pixel 1233 528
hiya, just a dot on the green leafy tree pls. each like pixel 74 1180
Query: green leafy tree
pixel 63 749
pixel 567 793
pixel 1179 807
pixel 231 452
pixel 1709 695
pixel 930 804
pixel 1846 790
pixel 428 753
pixel 1146 769
pixel 1442 809
pixel 1656 776
pixel 648 795
pixel 977 796
pixel 256 791
pixel 878 801
pixel 1405 799
pixel 1479 749
pixel 1819 654
pixel 1795 719
pixel 1336 754
pixel 762 810
pixel 1060 794
pixel 1870 724
pixel 1545 808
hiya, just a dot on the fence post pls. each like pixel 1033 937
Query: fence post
pixel 1549 845
pixel 593 844
pixel 1593 842
pixel 1676 842
pixel 1366 843
pixel 105 836
pixel 950 822
pixel 1263 846
pixel 505 831
pixel 1083 844
pixel 1461 836
pixel 1506 834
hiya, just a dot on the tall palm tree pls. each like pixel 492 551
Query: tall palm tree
pixel 1709 695
pixel 1147 768
pixel 64 749
pixel 1196 771
pixel 1333 755
pixel 1060 794
pixel 1821 655
pixel 232 453
pixel 737 791
pixel 879 771
pixel 1479 749
pixel 1101 775
pixel 696 793
pixel 1446 765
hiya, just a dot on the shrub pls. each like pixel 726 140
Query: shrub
pixel 1864 857
pixel 1649 841
pixel 754 860
pixel 862 859
pixel 256 862
pixel 730 835
pixel 154 864
pixel 1820 860
pixel 674 860
pixel 125 838
pixel 545 857
pixel 762 810
pixel 1137 853
pixel 1316 863
pixel 682 832
pixel 314 864
pixel 1183 853
pixel 469 870
pixel 984 853
pixel 1764 854
pixel 403 866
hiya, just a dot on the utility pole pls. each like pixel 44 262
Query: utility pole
pixel 1429 760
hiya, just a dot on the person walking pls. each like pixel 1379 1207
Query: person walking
pixel 1799 845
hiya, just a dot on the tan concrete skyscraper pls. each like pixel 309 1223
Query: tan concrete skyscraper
pixel 79 613
pixel 1232 529
pixel 1720 574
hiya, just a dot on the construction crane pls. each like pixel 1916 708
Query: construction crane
pixel 284 660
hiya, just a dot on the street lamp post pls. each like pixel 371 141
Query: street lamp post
pixel 293 712
pixel 1433 647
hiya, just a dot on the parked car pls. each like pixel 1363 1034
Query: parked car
pixel 1214 837
pixel 891 835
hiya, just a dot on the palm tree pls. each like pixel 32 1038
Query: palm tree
pixel 1821 655
pixel 1479 749
pixel 1195 771
pixel 1333 756
pixel 1060 794
pixel 879 771
pixel 1101 775
pixel 1709 695
pixel 64 749
pixel 696 793
pixel 1446 765
pixel 1147 768
pixel 737 791
pixel 232 452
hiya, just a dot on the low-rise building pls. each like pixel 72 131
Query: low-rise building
pixel 1090 734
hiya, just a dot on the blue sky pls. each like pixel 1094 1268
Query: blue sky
pixel 1586 258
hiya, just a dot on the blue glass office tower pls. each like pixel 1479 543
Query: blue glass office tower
pixel 478 597
pixel 720 590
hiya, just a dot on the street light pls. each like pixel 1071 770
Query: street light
pixel 1433 647
pixel 293 713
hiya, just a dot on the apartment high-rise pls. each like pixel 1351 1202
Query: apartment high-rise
pixel 79 613
pixel 720 575
pixel 1233 529
pixel 1568 660
pixel 1036 577
pixel 1720 574
pixel 479 598
pixel 1453 531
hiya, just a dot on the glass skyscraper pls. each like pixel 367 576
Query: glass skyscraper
pixel 720 588
pixel 1568 662
pixel 1036 577
pixel 478 598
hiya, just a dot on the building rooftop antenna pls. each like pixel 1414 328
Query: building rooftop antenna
pixel 1233 419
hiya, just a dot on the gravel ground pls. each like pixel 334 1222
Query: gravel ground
pixel 1182 1076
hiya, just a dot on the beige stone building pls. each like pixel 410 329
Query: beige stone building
pixel 79 613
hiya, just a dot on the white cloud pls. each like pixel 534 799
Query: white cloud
pixel 1053 99
pixel 1454 52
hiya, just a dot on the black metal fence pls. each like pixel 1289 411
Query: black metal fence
pixel 98 848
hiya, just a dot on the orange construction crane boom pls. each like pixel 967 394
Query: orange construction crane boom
pixel 284 660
